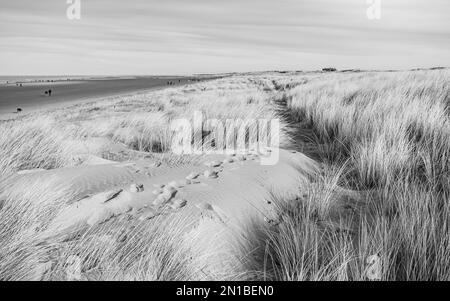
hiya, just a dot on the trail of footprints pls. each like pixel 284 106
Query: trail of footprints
pixel 164 194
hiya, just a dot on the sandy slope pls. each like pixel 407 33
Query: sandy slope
pixel 225 188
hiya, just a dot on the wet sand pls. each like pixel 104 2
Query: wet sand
pixel 31 95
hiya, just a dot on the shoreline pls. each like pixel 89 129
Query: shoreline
pixel 99 90
pixel 66 104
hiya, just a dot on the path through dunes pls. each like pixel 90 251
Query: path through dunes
pixel 115 197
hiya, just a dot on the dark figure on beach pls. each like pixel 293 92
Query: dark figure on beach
pixel 49 92
pixel 19 110
pixel 46 92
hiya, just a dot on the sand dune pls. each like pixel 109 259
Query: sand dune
pixel 116 173
pixel 140 190
pixel 98 183
pixel 217 209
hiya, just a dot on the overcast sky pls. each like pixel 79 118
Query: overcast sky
pixel 206 36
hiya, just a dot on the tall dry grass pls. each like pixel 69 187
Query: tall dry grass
pixel 383 140
pixel 29 145
pixel 120 250
pixel 390 133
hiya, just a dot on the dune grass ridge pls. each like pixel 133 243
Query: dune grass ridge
pixel 392 131
pixel 382 140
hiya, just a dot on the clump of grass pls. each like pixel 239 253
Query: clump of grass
pixel 308 239
pixel 391 124
pixel 31 144
pixel 393 131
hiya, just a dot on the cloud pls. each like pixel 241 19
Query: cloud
pixel 179 36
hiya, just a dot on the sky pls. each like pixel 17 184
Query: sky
pixel 146 37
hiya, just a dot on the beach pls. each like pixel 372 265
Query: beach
pixel 28 93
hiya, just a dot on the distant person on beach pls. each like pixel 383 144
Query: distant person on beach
pixel 19 110
pixel 49 92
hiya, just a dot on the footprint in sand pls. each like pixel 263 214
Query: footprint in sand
pixel 175 184
pixel 228 160
pixel 157 191
pixel 184 182
pixel 190 182
pixel 147 215
pixel 167 194
pixel 169 189
pixel 254 156
pixel 212 174
pixel 136 211
pixel 213 163
pixel 137 187
pixel 156 164
pixel 161 200
pixel 204 206
pixel 241 157
pixel 177 204
pixel 192 176
pixel 126 208
pixel 212 210
pixel 123 208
